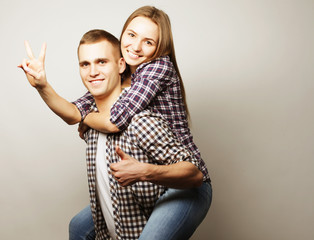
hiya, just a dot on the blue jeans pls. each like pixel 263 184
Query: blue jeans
pixel 177 214
pixel 82 226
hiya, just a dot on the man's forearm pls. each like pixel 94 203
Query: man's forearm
pixel 63 108
pixel 178 175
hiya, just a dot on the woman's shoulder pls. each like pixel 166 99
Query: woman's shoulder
pixel 159 64
pixel 159 67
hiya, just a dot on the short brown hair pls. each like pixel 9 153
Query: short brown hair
pixel 97 35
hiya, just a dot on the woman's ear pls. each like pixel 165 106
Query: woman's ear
pixel 122 65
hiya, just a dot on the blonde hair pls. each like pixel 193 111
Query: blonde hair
pixel 165 44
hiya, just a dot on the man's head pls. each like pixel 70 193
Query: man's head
pixel 97 35
pixel 100 63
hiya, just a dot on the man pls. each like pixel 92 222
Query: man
pixel 122 193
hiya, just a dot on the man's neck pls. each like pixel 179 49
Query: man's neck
pixel 104 103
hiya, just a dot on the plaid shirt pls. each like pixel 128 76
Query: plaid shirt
pixel 148 139
pixel 156 86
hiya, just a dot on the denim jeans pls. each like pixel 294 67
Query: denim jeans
pixel 82 226
pixel 177 214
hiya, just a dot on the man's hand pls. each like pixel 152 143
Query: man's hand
pixel 82 129
pixel 128 171
pixel 35 68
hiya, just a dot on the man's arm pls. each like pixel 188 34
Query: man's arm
pixel 63 108
pixel 178 175
pixel 35 73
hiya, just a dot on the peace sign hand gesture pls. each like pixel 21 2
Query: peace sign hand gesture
pixel 35 68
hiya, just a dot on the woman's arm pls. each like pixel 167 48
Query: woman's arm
pixel 172 164
pixel 178 175
pixel 100 121
pixel 149 81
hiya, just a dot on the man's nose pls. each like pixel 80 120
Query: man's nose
pixel 94 71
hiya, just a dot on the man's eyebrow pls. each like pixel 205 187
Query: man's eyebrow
pixel 101 59
pixel 97 60
pixel 83 62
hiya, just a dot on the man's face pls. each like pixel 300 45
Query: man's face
pixel 100 68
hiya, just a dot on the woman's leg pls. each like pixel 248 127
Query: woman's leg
pixel 178 213
pixel 81 226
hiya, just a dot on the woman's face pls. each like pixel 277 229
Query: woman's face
pixel 139 41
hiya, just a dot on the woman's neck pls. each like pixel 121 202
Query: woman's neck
pixel 133 69
pixel 126 82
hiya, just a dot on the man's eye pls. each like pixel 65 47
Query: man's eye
pixel 84 65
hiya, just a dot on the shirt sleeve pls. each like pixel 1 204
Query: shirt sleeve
pixel 84 104
pixel 150 80
pixel 153 135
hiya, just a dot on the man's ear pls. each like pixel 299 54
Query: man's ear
pixel 122 65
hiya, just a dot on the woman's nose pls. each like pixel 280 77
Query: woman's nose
pixel 137 45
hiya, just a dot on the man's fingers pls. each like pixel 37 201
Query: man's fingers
pixel 29 71
pixel 24 66
pixel 29 50
pixel 42 54
pixel 121 154
pixel 82 135
pixel 113 168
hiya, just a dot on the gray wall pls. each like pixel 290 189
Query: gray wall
pixel 248 72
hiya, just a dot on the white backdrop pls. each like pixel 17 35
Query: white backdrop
pixel 248 71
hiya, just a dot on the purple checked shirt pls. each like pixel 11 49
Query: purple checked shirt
pixel 155 86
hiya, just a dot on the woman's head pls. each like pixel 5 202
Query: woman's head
pixel 139 41
pixel 160 30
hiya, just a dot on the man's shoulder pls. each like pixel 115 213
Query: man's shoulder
pixel 147 114
pixel 146 121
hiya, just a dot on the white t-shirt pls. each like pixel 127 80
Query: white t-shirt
pixel 102 184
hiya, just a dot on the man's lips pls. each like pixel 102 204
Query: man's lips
pixel 96 81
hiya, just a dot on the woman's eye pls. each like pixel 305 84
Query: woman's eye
pixel 131 35
pixel 149 43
